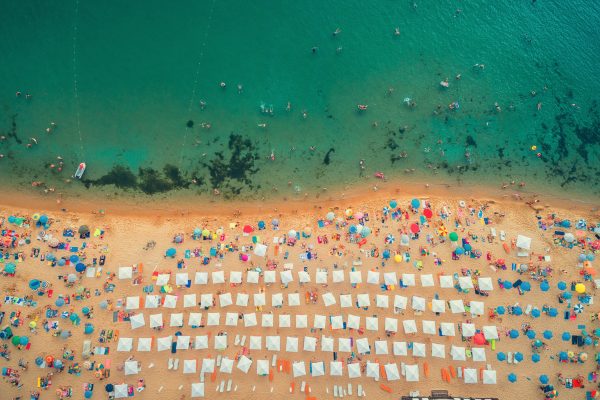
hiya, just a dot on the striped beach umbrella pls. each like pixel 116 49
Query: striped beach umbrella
pixel 390 238
pixel 578 308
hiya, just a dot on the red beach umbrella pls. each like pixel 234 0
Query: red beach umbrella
pixel 414 228
pixel 428 213
pixel 248 229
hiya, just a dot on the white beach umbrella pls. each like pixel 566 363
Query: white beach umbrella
pixel 137 321
pixel 231 319
pixel 373 277
pixel 345 300
pixel 189 366
pixel 220 342
pixel 298 369
pixel 162 279
pixel 125 272
pixel 448 329
pixel 131 368
pixel 381 347
pixel 477 308
pixel 262 367
pixel 465 282
pixel 391 324
pixel 335 368
pixel 317 368
pixel 267 320
pixel 363 300
pixel 235 277
pixel 372 323
pixel 419 349
pixel 391 371
pixel 400 302
pixel 293 299
pixel 328 299
pixel 208 365
pixel 353 321
pixel 286 277
pixel 273 343
pixel 241 299
pixel 181 279
pixel 144 344
pixel 156 320
pixel 260 249
pixel 189 300
pixel 470 375
pixel 458 353
pixel 176 320
pixel 446 281
pixel 355 277
pixel 327 343
pixel 411 373
pixel 244 364
pixel 201 342
pixel 372 370
pixel 225 299
pixel 410 326
pixel 485 283
pixel 269 276
pixel 291 344
pixel 121 391
pixel 252 277
pixel 226 365
pixel 132 303
pixel 389 278
pixel 427 280
pixel 213 319
pixel 354 370
pixel 303 277
pixel 277 300
pixel 490 332
pixel 382 301
pixel 195 319
pixel 321 277
pixel 183 343
pixel 338 275
pixel 201 278
pixel 344 345
pixel 418 303
pixel 400 349
pixel 429 327
pixel 125 344
pixel 301 321
pixel 337 322
pixel 170 301
pixel 255 343
pixel 468 329
pixel 259 299
pixel 218 277
pixel 478 354
pixel 362 345
pixel 206 300
pixel 489 377
pixel 438 306
pixel 164 343
pixel 310 343
pixel 319 321
pixel 408 279
pixel 197 389
pixel 250 320
pixel 457 306
pixel 152 301
pixel 438 350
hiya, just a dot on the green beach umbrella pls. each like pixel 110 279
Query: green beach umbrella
pixel 453 236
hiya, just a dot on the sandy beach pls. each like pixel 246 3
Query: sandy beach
pixel 487 231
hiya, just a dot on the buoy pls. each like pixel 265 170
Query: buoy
pixel 534 147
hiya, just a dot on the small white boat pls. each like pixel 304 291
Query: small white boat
pixel 80 171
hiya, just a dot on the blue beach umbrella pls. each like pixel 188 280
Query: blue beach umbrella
pixel 171 252
pixel 261 224
pixel 459 251
pixel 508 285
pixel 512 378
pixel 531 334
pixel 562 285
pixel 590 257
pixel 582 257
pixel 34 284
pixel 23 340
pixel 535 313
pixel 197 232
pixel 89 329
pixel 513 333
pixel 88 394
pixel 80 267
pixel 415 203
pixel 588 340
pixel 352 229
pixel 393 204
pixel 563 356
pixel 43 219
pixel 526 286
pixel 61 262
pixel 500 310
pixel 386 254
pixel 74 258
pixel 519 356
pixel 85 310
pixel 50 257
pixel 366 231
pixel 553 312
pixel 545 286
pixel 548 334
pixel 59 302
pixel 568 295
pixel 566 336
pixel 501 356
pixel 544 379
pixel 518 311
pixel 74 317
pixel 468 247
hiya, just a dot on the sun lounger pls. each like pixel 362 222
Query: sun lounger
pixel 335 391
pixel 229 382
pixel 510 357
pixel 243 341
pixel 222 386
pixel 349 389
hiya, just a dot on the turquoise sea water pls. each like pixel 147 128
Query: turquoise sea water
pixel 123 81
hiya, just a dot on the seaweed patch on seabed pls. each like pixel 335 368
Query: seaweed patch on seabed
pixel 234 174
